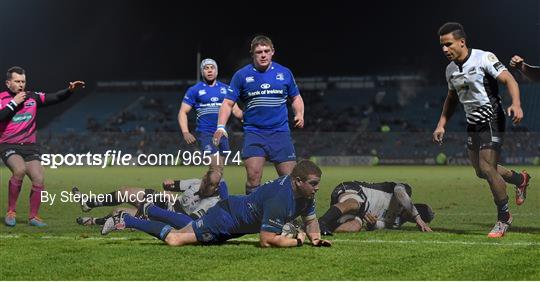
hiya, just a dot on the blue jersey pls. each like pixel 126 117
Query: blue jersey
pixel 269 207
pixel 264 95
pixel 206 100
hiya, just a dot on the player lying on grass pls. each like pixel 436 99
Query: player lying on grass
pixel 192 202
pixel 266 210
pixel 355 204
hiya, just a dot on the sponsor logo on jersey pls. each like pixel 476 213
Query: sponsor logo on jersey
pixel 265 85
pixel 214 99
pixel 223 91
pixel 202 92
pixel 30 104
pixel 472 71
pixel 21 118
pixel 250 79
pixel 280 76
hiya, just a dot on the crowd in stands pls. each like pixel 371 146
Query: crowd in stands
pixel 384 122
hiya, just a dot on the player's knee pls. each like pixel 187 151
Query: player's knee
pixel 480 174
pixel 350 205
pixel 19 172
pixel 254 179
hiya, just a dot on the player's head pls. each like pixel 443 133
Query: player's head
pixel 209 70
pixel 262 51
pixel 425 211
pixel 453 41
pixel 16 79
pixel 306 177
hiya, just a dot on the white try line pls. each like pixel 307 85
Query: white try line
pixel 361 241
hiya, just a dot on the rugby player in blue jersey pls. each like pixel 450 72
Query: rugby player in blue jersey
pixel 263 87
pixel 206 97
pixel 266 210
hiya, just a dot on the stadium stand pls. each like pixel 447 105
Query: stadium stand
pixel 369 119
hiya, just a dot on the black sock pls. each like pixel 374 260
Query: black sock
pixel 515 179
pixel 250 189
pixel 101 220
pixel 330 218
pixel 103 200
pixel 503 212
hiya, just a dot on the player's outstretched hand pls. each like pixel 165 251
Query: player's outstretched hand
pixel 189 138
pixel 516 113
pixel 321 243
pixel 74 85
pixel 516 62
pixel 422 226
pixel 20 97
pixel 438 135
pixel 299 121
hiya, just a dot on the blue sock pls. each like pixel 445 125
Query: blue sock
pixel 176 220
pixel 157 229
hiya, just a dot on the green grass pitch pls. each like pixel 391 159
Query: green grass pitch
pixel 458 249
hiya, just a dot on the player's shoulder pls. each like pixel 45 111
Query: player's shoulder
pixel 479 54
pixel 222 84
pixel 451 67
pixel 280 67
pixel 4 94
pixel 244 70
pixel 194 87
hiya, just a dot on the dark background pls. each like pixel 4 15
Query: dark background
pixel 57 41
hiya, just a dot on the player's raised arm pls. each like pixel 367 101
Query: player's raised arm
pixel 449 107
pixel 531 72
pixel 514 110
pixel 59 96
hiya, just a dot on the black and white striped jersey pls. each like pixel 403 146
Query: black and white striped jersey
pixel 475 83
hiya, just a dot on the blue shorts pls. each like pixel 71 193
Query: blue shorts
pixel 276 147
pixel 207 145
pixel 216 226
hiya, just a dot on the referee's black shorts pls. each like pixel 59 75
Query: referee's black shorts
pixel 28 151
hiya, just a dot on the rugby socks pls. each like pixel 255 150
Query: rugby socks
pixel 176 220
pixel 503 212
pixel 516 178
pixel 14 185
pixel 100 220
pixel 103 200
pixel 157 229
pixel 250 189
pixel 35 200
pixel 330 218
